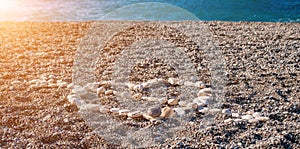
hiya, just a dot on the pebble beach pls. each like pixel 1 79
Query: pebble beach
pixel 261 107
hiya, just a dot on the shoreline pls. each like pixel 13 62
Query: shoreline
pixel 262 65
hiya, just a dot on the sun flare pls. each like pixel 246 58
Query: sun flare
pixel 6 5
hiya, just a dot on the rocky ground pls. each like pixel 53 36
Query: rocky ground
pixel 262 71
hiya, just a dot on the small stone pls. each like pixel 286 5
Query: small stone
pixel 92 86
pixel 152 99
pixel 134 114
pixel 236 115
pixel 188 83
pixel 137 96
pixel 182 103
pixel 154 112
pixel 103 109
pixel 247 117
pixel 62 84
pixel 215 110
pixel 108 92
pixel 79 90
pixel 165 112
pixel 70 86
pixel 203 109
pixel 162 100
pixel 146 84
pixel 192 105
pixel 138 88
pixel 200 84
pixel 253 120
pixel 126 95
pixel 179 111
pixel 238 120
pixel 262 118
pixel 250 112
pixel 92 107
pixel 124 112
pixel 114 110
pixel 227 112
pixel 202 99
pixel 105 83
pixel 173 102
pixel 130 86
pixel 256 114
pixel 101 90
pixel 66 120
pixel 228 120
pixel 175 81
pixel 204 92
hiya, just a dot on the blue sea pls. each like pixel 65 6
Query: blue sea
pixel 83 10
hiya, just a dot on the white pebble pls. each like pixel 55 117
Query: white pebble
pixel 192 105
pixel 152 99
pixel 215 110
pixel 114 110
pixel 228 120
pixel 202 99
pixel 247 117
pixel 173 102
pixel 227 112
pixel 179 111
pixel 124 112
pixel 204 92
pixel 188 83
pixel 236 115
pixel 203 109
pixel 262 119
pixel 174 81
pixel 238 120
pixel 182 103
pixel 256 114
pixel 134 114
pixel 253 121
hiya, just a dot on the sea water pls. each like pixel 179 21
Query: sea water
pixel 83 10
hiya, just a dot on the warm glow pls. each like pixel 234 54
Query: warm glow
pixel 6 5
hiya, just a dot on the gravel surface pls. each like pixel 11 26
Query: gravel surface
pixel 262 67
